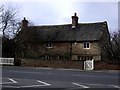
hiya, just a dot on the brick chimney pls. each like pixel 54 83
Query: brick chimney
pixel 24 23
pixel 74 20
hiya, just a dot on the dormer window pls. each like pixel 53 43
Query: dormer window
pixel 86 45
pixel 49 45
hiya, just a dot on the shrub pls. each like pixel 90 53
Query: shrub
pixel 17 62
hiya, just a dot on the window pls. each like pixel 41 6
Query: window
pixel 47 57
pixel 49 45
pixel 85 57
pixel 86 45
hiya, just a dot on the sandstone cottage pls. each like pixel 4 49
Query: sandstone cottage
pixel 75 41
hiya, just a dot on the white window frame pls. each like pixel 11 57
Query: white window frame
pixel 86 45
pixel 85 57
pixel 49 45
pixel 47 57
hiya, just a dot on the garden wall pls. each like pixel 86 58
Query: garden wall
pixel 98 65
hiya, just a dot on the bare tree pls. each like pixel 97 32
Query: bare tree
pixel 112 49
pixel 116 44
pixel 1 10
pixel 9 23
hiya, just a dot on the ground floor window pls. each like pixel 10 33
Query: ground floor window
pixel 49 45
pixel 84 57
pixel 45 57
pixel 55 57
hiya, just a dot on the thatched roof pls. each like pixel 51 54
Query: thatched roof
pixel 83 32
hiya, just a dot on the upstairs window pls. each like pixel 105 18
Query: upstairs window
pixel 86 45
pixel 49 45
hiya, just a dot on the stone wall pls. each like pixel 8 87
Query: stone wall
pixel 94 51
pixel 62 50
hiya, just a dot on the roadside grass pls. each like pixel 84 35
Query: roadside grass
pixel 98 65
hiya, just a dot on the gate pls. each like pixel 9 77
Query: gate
pixel 89 65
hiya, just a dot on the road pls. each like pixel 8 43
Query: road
pixel 28 77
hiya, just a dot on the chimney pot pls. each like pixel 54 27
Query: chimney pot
pixel 24 23
pixel 24 18
pixel 75 14
pixel 74 20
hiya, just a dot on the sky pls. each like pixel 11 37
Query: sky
pixel 57 12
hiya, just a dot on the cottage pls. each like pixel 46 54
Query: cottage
pixel 75 41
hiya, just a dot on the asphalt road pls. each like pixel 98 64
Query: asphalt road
pixel 45 78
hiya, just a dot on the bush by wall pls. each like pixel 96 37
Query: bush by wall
pixel 17 62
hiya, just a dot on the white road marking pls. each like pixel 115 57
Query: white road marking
pixel 47 84
pixel 44 84
pixel 1 83
pixel 115 86
pixel 6 83
pixel 95 84
pixel 83 86
pixel 11 86
pixel 41 83
pixel 12 80
pixel 32 86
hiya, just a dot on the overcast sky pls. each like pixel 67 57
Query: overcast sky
pixel 47 12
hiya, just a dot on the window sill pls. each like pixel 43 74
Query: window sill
pixel 86 48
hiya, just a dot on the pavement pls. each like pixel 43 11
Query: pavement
pixel 54 79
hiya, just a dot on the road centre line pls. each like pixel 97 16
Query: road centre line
pixel 12 80
pixel 83 86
